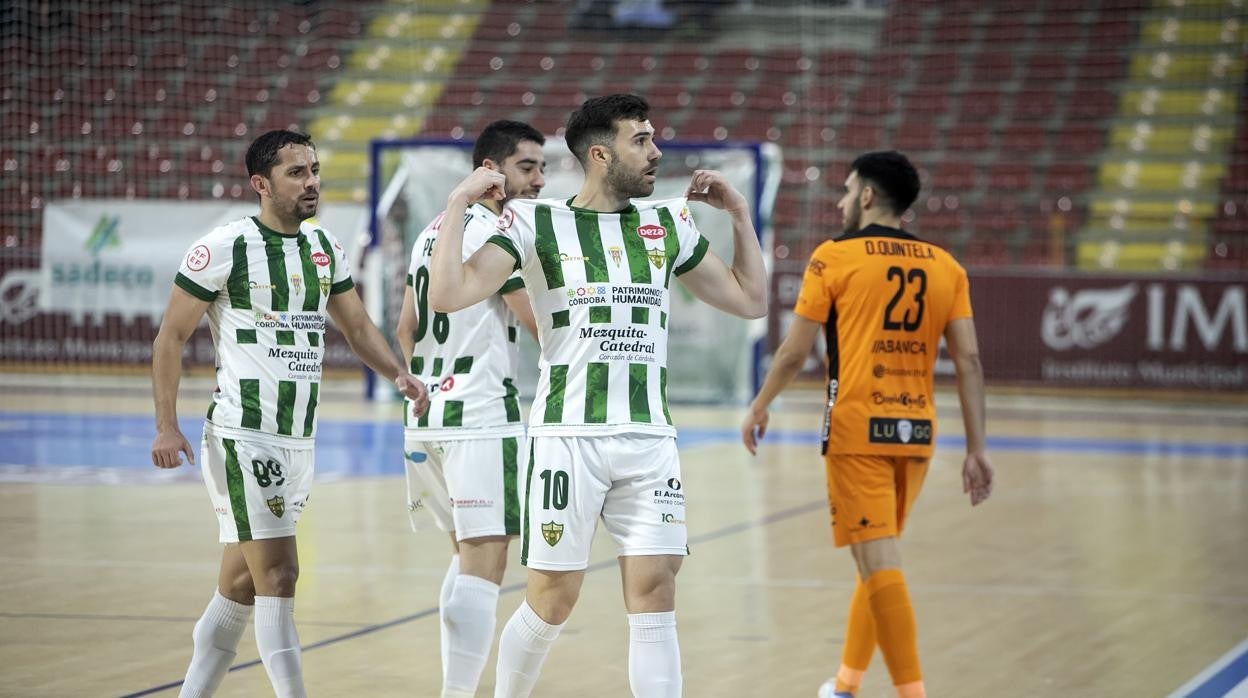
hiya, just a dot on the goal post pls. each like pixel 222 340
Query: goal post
pixel 712 357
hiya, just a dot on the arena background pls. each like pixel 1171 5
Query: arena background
pixel 1087 160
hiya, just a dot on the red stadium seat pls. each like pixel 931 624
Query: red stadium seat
pixel 969 136
pixel 992 67
pixel 939 68
pixel 1066 178
pixel 1077 141
pixel 954 176
pixel 981 105
pixel 875 100
pixel 861 135
pixel 837 64
pixel 1010 176
pixel 915 136
pixel 953 28
pixel 1035 105
pixel 1024 139
pixel 1047 67
pixel 926 102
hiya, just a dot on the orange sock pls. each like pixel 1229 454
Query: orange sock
pixel 894 628
pixel 859 642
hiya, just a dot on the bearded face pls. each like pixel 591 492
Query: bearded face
pixel 631 180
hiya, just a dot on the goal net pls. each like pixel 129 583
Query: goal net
pixel 711 356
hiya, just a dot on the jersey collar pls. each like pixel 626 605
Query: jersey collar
pixel 876 230
pixel 266 231
pixel 630 208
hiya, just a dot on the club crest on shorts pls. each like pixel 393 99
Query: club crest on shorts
pixel 657 257
pixel 552 532
pixel 277 505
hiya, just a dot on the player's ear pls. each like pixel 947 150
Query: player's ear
pixel 259 184
pixel 490 164
pixel 867 197
pixel 598 153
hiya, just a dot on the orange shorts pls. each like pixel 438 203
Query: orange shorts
pixel 870 496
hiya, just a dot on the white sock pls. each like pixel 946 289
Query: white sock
pixel 279 645
pixel 653 655
pixel 216 637
pixel 470 620
pixel 444 597
pixel 522 648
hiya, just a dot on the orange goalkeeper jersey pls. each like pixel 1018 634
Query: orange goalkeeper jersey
pixel 884 298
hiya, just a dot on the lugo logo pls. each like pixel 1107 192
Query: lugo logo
pixel 1086 319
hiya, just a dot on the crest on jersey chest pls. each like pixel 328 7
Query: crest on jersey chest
pixel 657 257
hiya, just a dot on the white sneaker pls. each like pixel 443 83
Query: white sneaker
pixel 828 690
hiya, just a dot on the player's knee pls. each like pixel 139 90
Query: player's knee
pixel 278 580
pixel 484 557
pixel 239 588
pixel 876 555
pixel 651 594
pixel 553 604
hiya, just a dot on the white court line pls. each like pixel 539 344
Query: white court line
pixel 1198 680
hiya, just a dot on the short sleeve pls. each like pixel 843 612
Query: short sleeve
pixel 414 261
pixel 515 282
pixel 206 267
pixel 514 226
pixel 342 270
pixel 693 245
pixel 814 301
pixel 961 296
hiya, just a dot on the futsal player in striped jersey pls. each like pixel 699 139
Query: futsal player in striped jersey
pixel 598 268
pixel 266 283
pixel 462 455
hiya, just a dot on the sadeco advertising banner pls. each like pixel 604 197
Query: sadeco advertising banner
pixel 1065 329
pixel 119 257
pixel 98 287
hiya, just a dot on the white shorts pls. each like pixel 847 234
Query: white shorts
pixel 632 482
pixel 469 486
pixel 258 490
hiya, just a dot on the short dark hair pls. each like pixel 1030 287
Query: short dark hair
pixel 594 122
pixel 892 177
pixel 499 141
pixel 262 154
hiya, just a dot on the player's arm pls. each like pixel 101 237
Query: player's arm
pixel 518 302
pixel 453 283
pixel 964 350
pixel 405 331
pixel 182 316
pixel 742 288
pixel 367 342
pixel 785 365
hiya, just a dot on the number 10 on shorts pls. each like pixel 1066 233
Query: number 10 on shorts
pixel 555 486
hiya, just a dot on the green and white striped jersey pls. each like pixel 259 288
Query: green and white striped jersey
pixel 268 294
pixel 600 287
pixel 468 359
